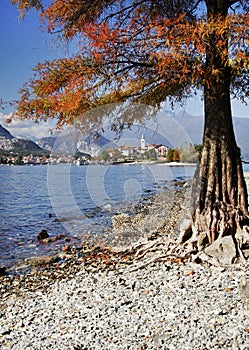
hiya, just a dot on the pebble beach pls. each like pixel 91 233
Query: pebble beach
pixel 75 302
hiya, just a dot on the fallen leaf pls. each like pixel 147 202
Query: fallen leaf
pixel 190 273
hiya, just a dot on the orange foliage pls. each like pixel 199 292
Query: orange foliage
pixel 133 53
pixel 25 5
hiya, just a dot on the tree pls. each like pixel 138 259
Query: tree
pixel 149 51
pixel 176 156
pixel 170 155
pixel 150 154
pixel 190 153
pixel 105 155
pixel 19 160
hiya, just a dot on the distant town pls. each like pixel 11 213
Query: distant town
pixel 21 152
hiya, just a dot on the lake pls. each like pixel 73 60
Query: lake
pixel 71 200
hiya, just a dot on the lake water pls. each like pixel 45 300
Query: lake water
pixel 70 200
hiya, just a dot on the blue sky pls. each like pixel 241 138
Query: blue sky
pixel 23 45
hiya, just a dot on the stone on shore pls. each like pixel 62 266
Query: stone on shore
pixel 3 271
pixel 120 219
pixel 223 249
pixel 42 235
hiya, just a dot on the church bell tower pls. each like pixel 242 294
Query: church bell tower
pixel 143 142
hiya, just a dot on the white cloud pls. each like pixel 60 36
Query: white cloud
pixel 27 129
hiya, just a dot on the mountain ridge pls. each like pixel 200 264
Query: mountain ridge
pixel 241 130
pixel 5 133
pixel 191 125
pixel 9 143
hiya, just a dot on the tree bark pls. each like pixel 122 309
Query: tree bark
pixel 220 203
pixel 219 189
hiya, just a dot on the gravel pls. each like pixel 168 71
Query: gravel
pixel 165 305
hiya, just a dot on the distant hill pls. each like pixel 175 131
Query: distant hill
pixel 70 143
pixel 47 142
pixel 194 128
pixel 5 133
pixel 9 143
pixel 241 126
pixel 165 130
pixel 171 131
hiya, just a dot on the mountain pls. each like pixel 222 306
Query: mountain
pixel 26 146
pixel 94 143
pixel 241 126
pixel 4 133
pixel 47 142
pixel 70 142
pixel 9 143
pixel 168 128
pixel 194 128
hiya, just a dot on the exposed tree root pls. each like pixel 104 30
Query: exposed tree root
pixel 188 248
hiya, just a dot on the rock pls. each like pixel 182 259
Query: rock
pixel 66 248
pixel 120 219
pixel 223 249
pixel 42 235
pixel 42 260
pixel 185 231
pixel 179 183
pixel 244 291
pixel 52 239
pixel 2 271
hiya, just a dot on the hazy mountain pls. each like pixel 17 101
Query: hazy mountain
pixel 8 143
pixel 194 128
pixel 69 142
pixel 47 142
pixel 168 128
pixel 94 143
pixel 241 126
pixel 5 133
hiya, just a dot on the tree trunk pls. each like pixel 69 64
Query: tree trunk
pixel 219 189
pixel 220 203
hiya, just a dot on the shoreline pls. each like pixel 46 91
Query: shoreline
pixel 136 226
pixel 134 222
pixel 99 298
pixel 128 232
pixel 158 161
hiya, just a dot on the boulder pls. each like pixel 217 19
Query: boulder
pixel 42 235
pixel 52 239
pixel 222 249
